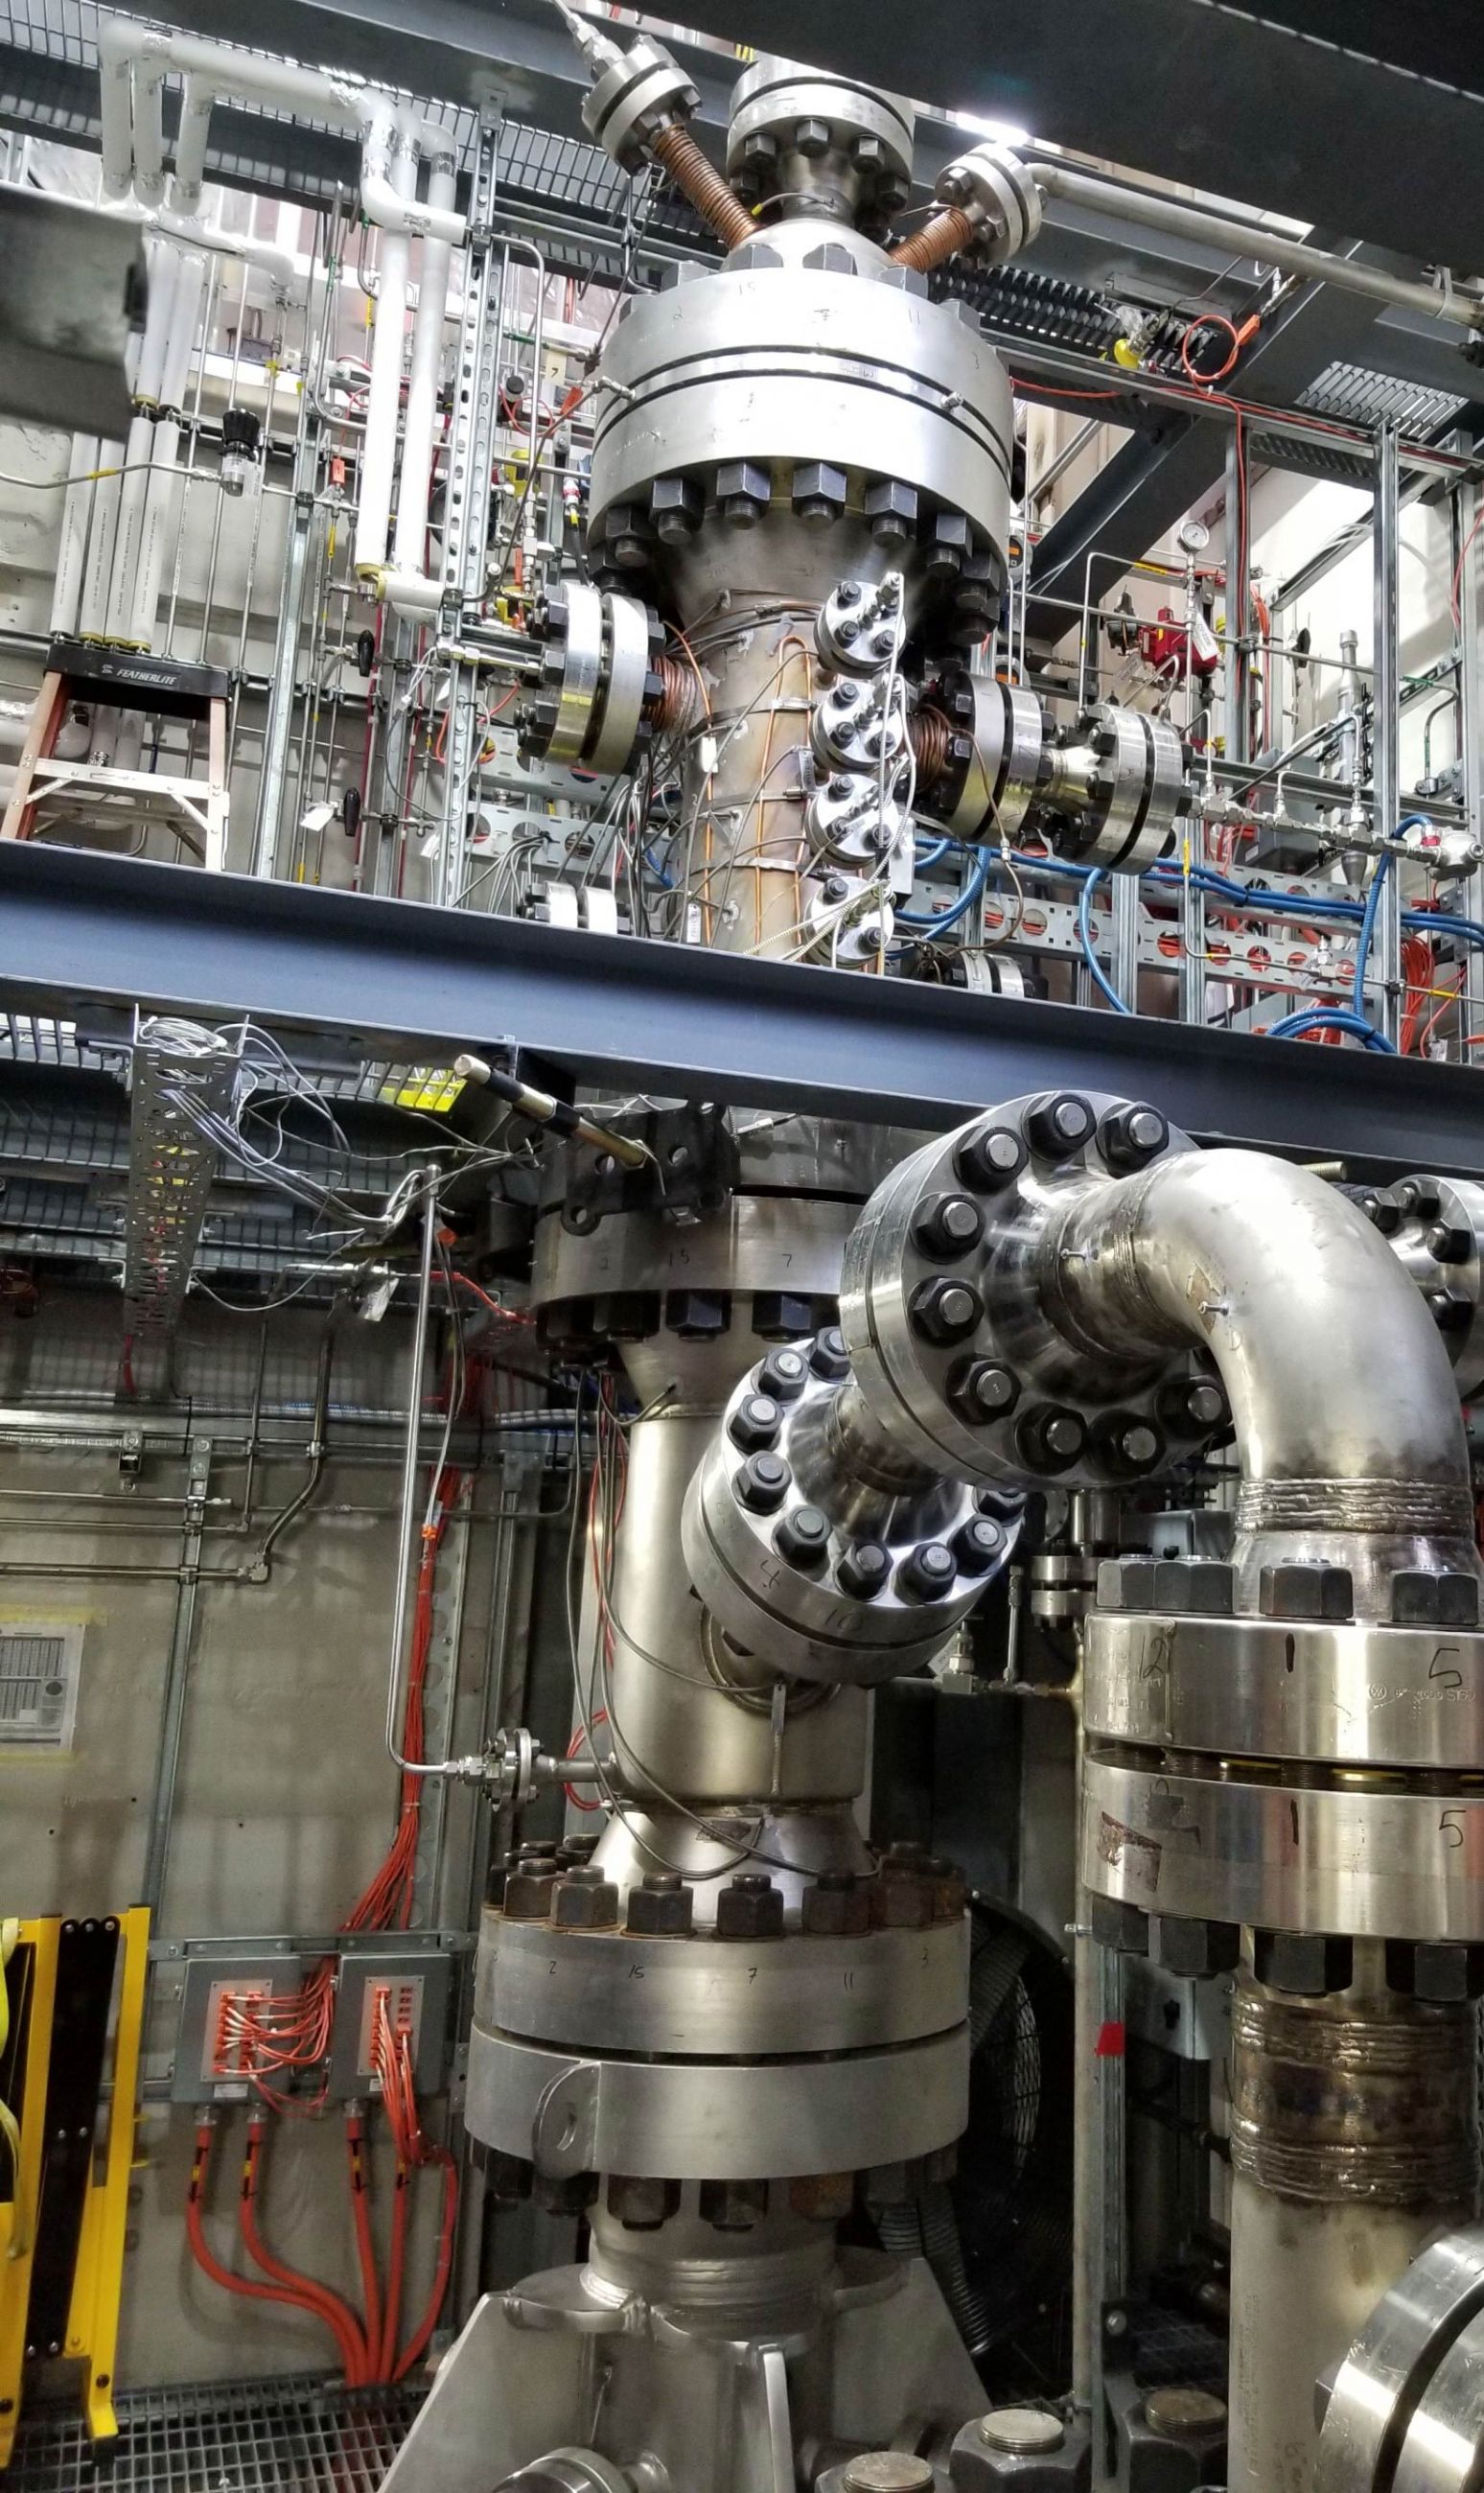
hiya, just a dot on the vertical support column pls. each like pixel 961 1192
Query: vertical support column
pixel 1469 533
pixel 1386 725
pixel 1099 2265
pixel 1126 908
pixel 1236 671
pixel 470 455
pixel 177 1678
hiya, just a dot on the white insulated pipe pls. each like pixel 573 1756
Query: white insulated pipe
pixel 103 536
pixel 215 71
pixel 419 432
pixel 378 450
pixel 72 552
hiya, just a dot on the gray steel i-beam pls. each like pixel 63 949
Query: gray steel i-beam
pixel 76 932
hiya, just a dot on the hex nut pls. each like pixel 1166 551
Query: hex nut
pixel 981 1391
pixel 891 508
pixel 811 136
pixel 584 1900
pixel 1449 1244
pixel 821 492
pixel 1452 1310
pixel 1198 1585
pixel 784 1373
pixel 1194 1949
pixel 887 2471
pixel 1420 1599
pixel 803 1538
pixel 943 1312
pixel 1435 1970
pixel 763 1483
pixel 990 1158
pixel 781 1315
pixel 1049 1437
pixel 864 1570
pixel 1306 1591
pixel 837 1906
pixel 1131 1136
pixel 661 1906
pixel 978 1546
pixel 528 1891
pixel 1058 1124
pixel 754 1423
pixel 900 1897
pixel 1418 1198
pixel 829 1357
pixel 676 507
pixel 947 1225
pixel 1307 1963
pixel 733 2206
pixel 1193 1406
pixel 750 1907
pixel 928 1573
pixel 641 2203
pixel 1022 2432
pixel 1119 1926
pixel 570 2194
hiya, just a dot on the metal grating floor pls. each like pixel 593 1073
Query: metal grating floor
pixel 294 2436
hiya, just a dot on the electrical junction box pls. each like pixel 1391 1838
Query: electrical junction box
pixel 210 2055
pixel 411 1985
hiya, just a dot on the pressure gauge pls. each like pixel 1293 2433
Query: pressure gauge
pixel 1194 536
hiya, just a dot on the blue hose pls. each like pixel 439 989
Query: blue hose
pixel 951 916
pixel 1084 930
pixel 1324 1017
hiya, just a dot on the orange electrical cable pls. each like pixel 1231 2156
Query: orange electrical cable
pixel 397 2268
pixel 418 2341
pixel 305 2291
pixel 365 2248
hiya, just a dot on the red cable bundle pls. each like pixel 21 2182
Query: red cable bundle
pixel 265 2038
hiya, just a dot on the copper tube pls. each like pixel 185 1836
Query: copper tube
pixel 927 731
pixel 952 230
pixel 677 706
pixel 676 150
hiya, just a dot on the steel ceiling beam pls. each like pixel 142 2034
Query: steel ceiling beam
pixel 78 932
pixel 1167 466
pixel 1236 104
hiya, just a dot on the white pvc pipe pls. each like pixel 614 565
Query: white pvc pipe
pixel 252 77
pixel 184 320
pixel 159 311
pixel 379 452
pixel 159 533
pixel 149 130
pixel 131 495
pixel 409 544
pixel 410 592
pixel 196 107
pixel 97 579
pixel 115 82
pixel 72 554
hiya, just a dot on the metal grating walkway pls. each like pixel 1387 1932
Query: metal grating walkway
pixel 295 2436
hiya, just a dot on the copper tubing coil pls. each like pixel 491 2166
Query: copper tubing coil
pixel 929 732
pixel 677 705
pixel 951 229
pixel 676 150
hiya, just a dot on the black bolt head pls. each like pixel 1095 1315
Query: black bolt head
pixel 944 1312
pixel 929 1571
pixel 1448 1242
pixel 990 1159
pixel 1452 1310
pixel 755 1423
pixel 981 1391
pixel 864 1571
pixel 829 1357
pixel 978 1546
pixel 783 1375
pixel 1050 1437
pixel 1382 1214
pixel 803 1538
pixel 1132 1136
pixel 762 1483
pixel 947 1225
pixel 1058 1124
pixel 1419 1200
pixel 1194 1408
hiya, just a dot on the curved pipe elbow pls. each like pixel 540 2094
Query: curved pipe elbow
pixel 1343 1403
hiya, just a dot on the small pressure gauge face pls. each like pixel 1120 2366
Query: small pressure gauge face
pixel 1195 537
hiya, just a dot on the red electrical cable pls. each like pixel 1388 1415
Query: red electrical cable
pixel 1210 320
pixel 417 2342
pixel 365 2248
pixel 397 2266
pixel 305 2291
